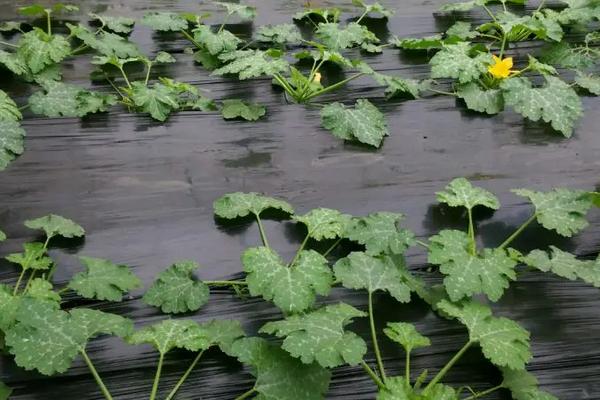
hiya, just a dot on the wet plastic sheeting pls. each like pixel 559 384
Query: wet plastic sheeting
pixel 144 193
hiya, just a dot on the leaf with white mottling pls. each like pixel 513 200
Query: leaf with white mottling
pixel 380 233
pixel 461 193
pixel 54 225
pixel 459 61
pixel 489 101
pixel 33 257
pixel 324 223
pixel 238 204
pixel 165 21
pixel 175 291
pixel 39 50
pixel 236 108
pixel 8 109
pixel 320 336
pixel 279 34
pixel 523 385
pixel 251 63
pixel 406 335
pixel 104 280
pixel 11 142
pixel 565 265
pixel 364 123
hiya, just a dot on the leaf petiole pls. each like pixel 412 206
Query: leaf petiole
pixel 226 283
pixel 518 231
pixel 372 374
pixel 300 250
pixel 247 394
pixel 96 376
pixel 332 87
pixel 261 229
pixel 333 246
pixel 484 393
pixel 184 376
pixel 48 22
pixel 9 44
pixel 473 244
pixel 157 377
pixel 374 338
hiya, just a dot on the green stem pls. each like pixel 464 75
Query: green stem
pixel 518 231
pixel 421 243
pixel 484 393
pixel 300 250
pixel 261 229
pixel 374 338
pixel 333 246
pixel 491 14
pixel 80 48
pixel 9 44
pixel 157 377
pixel 184 377
pixel 49 23
pixel 282 81
pixel 407 368
pixel 226 283
pixel 542 3
pixel 99 381
pixel 29 281
pixel 373 375
pixel 447 367
pixel 473 244
pixel 18 284
pixel 361 17
pixel 125 77
pixel 63 290
pixel 503 45
pixel 332 87
pixel 247 394
pixel 223 24
pixel 149 68
pixel 311 76
pixel 191 39
pixel 115 87
pixel 442 92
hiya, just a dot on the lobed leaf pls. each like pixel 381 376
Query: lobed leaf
pixel 336 38
pixel 39 50
pixel 561 210
pixel 361 271
pixel 406 335
pixel 466 274
pixel 236 108
pixel 103 280
pixel 503 342
pixel 589 82
pixel 396 388
pixel 459 61
pixel 320 336
pixel 8 109
pixel 375 8
pixel 235 205
pixel 461 193
pixel 55 225
pixel 2 236
pixel 105 43
pixel 293 289
pixel 324 223
pixel 279 34
pixel 523 385
pixel 567 56
pixel 364 123
pixel 33 257
pixel 251 63
pixel 241 10
pixel 380 234
pixel 42 290
pixel 66 100
pixel 158 101
pixel 165 21
pixel 278 375
pixel 175 290
pixel 537 103
pixel 565 265
pixel 215 42
pixel 116 24
pixel 489 101
pixel 11 142
pixel 48 339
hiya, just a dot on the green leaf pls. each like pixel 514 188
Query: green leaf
pixel 8 109
pixel 396 388
pixel 32 10
pixel 364 123
pixel 489 101
pixel 561 210
pixel 54 225
pixel 165 21
pixel 375 8
pixel 523 385
pixel 278 375
pixel 458 61
pixel 114 23
pixel 535 65
pixel 14 63
pixel 251 64
pixel 320 336
pixel 564 55
pixel 158 101
pixel 216 42
pixel 243 11
pixel 175 291
pixel 235 205
pixel 594 198
pixel 395 85
pixel 5 391
pixel 64 8
pixel 34 257
pixel 424 43
pixel 361 271
pixel 556 102
pixel 38 49
pixel 11 142
pixel 466 275
pixel 322 14
pixel 380 233
pixel 461 30
pixel 293 289
pixel 279 34
pixel 186 334
pixel 324 223
pixel 41 289
pixel 66 100
pixel 504 342
pixel 103 280
pixel 406 335
pixel 236 108
pixel 105 43
pixel 48 339
pixel 10 26
pixel 589 82
pixel 461 193
pixel 565 265
pixel 336 38
pixel 2 236
pixel 9 305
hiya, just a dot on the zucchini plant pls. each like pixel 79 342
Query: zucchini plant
pixel 292 358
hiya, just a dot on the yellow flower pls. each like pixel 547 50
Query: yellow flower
pixel 317 77
pixel 501 67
